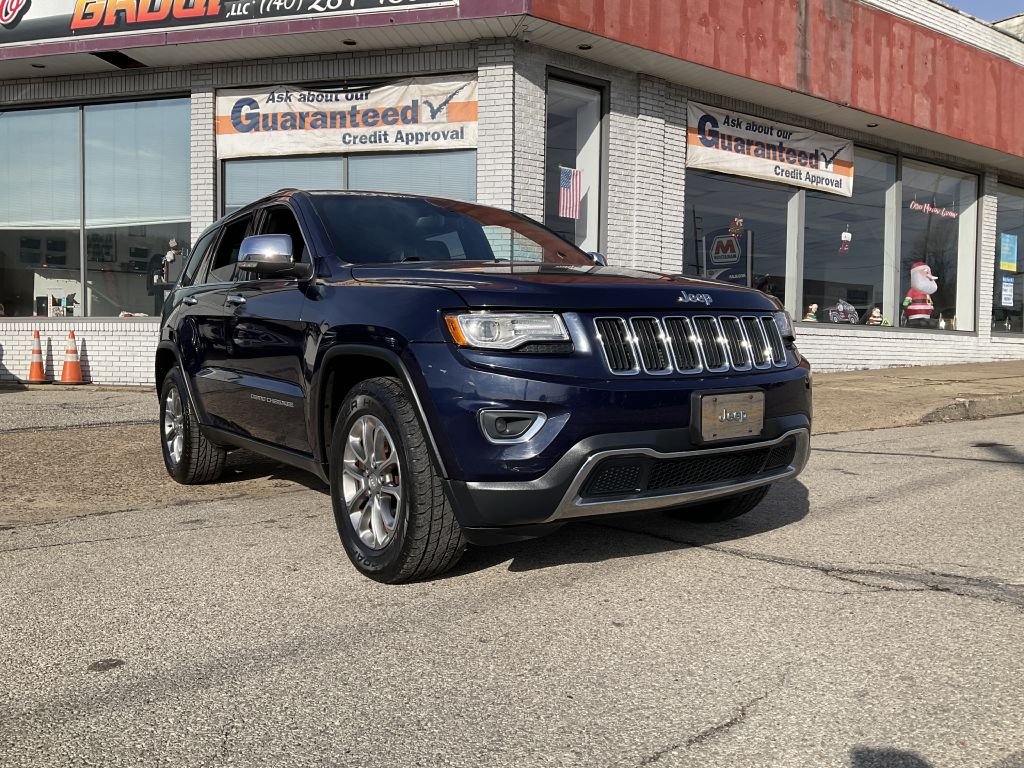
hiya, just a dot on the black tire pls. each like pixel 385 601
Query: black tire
pixel 427 539
pixel 721 509
pixel 201 461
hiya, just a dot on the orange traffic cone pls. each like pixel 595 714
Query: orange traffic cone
pixel 36 373
pixel 72 371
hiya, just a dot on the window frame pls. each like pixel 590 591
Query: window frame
pixel 604 142
pixel 198 257
pixel 207 270
pixel 1017 190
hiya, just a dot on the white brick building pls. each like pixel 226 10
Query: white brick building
pixel 98 177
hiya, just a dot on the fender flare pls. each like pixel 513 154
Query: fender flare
pixel 395 361
pixel 173 348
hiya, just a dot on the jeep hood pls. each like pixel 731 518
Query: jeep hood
pixel 586 289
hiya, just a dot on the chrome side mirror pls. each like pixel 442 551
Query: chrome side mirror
pixel 598 258
pixel 271 256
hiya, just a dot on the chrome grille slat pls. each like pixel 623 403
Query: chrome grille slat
pixel 736 340
pixel 650 340
pixel 712 343
pixel 683 341
pixel 774 341
pixel 689 344
pixel 617 345
pixel 759 347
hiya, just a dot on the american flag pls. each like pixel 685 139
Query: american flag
pixel 570 189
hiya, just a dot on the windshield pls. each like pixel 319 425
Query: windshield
pixel 368 229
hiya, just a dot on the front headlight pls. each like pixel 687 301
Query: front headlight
pixel 505 330
pixel 785 325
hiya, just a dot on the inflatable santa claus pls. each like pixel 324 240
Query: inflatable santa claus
pixel 917 304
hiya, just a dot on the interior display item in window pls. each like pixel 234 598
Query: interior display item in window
pixel 875 318
pixel 811 316
pixel 63 306
pixel 844 241
pixel 917 304
pixel 767 284
pixel 736 229
pixel 842 312
pixel 173 253
pixel 570 192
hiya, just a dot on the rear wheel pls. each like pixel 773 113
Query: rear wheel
pixel 721 509
pixel 393 516
pixel 188 456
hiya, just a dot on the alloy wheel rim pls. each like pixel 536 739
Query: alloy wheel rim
pixel 372 482
pixel 174 422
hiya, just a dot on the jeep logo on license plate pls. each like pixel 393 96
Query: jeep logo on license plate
pixel 731 416
pixel 736 416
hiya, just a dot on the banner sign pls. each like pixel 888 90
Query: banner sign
pixel 730 142
pixel 1007 252
pixel 1007 297
pixel 30 21
pixel 419 113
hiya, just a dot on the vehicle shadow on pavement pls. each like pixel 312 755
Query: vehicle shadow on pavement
pixel 1004 452
pixel 640 534
pixel 244 465
pixel 871 757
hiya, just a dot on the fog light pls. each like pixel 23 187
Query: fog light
pixel 501 426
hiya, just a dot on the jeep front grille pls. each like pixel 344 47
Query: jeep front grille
pixel 690 344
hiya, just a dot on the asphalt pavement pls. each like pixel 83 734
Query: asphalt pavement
pixel 869 614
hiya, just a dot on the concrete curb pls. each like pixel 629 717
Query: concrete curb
pixel 971 408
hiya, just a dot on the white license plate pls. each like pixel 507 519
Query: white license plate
pixel 731 416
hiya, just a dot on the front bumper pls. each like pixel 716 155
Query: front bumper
pixel 576 486
pixel 602 413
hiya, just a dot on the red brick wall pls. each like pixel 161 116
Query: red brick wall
pixel 838 50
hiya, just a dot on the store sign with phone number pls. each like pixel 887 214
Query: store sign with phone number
pixel 28 21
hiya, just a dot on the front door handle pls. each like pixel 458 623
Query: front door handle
pixel 235 299
pixel 190 300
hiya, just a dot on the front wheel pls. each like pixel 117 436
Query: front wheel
pixel 393 516
pixel 721 509
pixel 188 456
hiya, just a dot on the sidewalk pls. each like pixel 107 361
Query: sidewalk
pixel 897 397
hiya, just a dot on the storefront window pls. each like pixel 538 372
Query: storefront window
pixel 736 230
pixel 136 203
pixel 449 174
pixel 1008 295
pixel 938 240
pixel 248 180
pixel 572 180
pixel 844 247
pixel 40 204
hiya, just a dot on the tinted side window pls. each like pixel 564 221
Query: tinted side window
pixel 188 275
pixel 222 268
pixel 281 221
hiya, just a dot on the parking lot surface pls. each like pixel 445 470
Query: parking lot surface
pixel 871 614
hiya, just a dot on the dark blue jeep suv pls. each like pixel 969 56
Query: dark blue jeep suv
pixel 459 374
